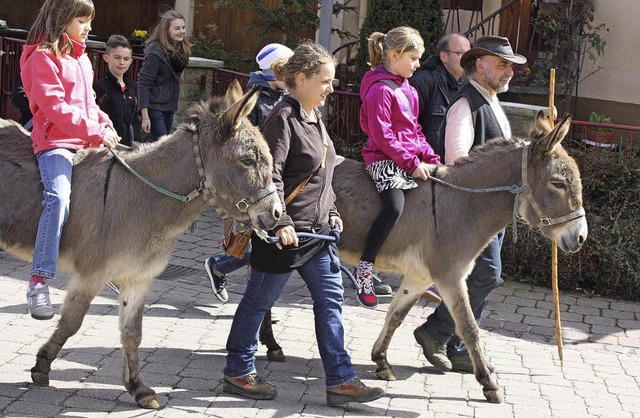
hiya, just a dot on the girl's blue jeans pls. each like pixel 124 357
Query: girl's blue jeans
pixel 55 171
pixel 161 122
pixel 263 289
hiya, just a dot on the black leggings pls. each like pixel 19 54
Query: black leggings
pixel 392 207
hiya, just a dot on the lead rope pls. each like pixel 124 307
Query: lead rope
pixel 181 198
pixel 513 189
pixel 335 264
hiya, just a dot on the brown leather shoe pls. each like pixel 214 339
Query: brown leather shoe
pixel 352 391
pixel 250 386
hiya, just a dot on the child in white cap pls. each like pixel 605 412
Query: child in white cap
pixel 272 89
pixel 220 265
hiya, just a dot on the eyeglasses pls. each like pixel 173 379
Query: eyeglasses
pixel 459 53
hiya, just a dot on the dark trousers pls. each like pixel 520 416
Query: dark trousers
pixel 161 122
pixel 392 207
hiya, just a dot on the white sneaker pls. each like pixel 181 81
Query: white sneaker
pixel 39 302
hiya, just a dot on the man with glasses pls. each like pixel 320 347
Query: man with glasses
pixel 437 81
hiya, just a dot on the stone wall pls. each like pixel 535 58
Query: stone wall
pixel 522 117
pixel 196 83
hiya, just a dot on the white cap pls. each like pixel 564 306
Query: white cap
pixel 270 53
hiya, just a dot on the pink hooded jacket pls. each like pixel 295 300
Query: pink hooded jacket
pixel 392 132
pixel 62 100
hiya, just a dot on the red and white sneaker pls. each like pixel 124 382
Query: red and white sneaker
pixel 366 292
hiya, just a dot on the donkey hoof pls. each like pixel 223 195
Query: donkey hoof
pixel 386 374
pixel 276 355
pixel 493 396
pixel 40 379
pixel 148 402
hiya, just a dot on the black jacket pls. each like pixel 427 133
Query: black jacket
pixel 436 86
pixel 158 83
pixel 19 99
pixel 121 106
pixel 267 99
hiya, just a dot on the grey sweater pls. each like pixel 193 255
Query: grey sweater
pixel 158 84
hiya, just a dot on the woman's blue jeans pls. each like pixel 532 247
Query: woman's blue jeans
pixel 263 289
pixel 484 277
pixel 161 122
pixel 55 171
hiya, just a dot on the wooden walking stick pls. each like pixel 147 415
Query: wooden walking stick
pixel 554 245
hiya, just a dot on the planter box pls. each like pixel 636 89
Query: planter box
pixel 599 139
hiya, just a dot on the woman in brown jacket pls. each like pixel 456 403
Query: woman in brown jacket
pixel 301 149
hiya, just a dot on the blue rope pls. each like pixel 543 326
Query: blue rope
pixel 334 237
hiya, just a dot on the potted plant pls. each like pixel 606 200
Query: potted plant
pixel 599 136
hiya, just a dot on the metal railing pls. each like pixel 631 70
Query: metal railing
pixel 605 141
pixel 221 79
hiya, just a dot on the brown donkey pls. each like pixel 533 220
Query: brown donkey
pixel 121 230
pixel 443 230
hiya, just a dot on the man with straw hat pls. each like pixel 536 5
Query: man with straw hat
pixel 474 116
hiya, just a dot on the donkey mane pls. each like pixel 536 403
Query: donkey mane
pixel 494 146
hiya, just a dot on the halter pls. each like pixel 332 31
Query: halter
pixel 525 191
pixel 204 186
pixel 210 193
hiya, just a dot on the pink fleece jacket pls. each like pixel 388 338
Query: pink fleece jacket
pixel 392 132
pixel 62 100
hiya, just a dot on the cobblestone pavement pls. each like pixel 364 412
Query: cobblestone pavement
pixel 183 349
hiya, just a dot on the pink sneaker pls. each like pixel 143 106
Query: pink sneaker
pixel 366 292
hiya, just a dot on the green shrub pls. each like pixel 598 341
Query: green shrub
pixel 423 15
pixel 609 262
pixel 207 44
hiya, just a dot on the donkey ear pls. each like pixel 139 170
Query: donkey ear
pixel 241 108
pixel 553 138
pixel 234 92
pixel 542 125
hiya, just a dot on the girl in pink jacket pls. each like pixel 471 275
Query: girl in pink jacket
pixel 397 152
pixel 58 79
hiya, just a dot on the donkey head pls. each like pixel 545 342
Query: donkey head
pixel 237 160
pixel 555 185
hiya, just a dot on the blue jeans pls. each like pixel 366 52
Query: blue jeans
pixel 161 122
pixel 226 264
pixel 263 289
pixel 55 171
pixel 484 277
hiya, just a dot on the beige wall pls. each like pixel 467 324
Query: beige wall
pixel 618 79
